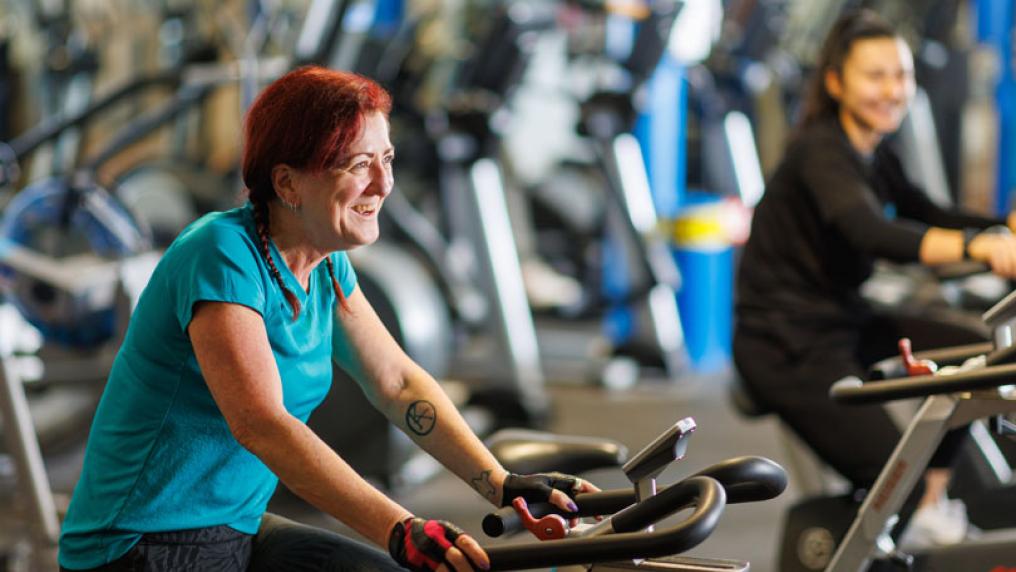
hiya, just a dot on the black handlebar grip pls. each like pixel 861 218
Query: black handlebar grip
pixel 506 521
pixel 748 479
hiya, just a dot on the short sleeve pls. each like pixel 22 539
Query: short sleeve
pixel 344 272
pixel 217 264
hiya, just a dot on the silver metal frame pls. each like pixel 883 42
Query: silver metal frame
pixel 868 537
pixel 636 198
pixel 128 277
pixel 24 448
pixel 676 564
pixel 922 153
pixel 502 275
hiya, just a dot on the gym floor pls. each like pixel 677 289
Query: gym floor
pixel 633 417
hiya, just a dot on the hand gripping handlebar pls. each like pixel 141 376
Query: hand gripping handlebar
pixel 745 479
pixel 742 479
pixel 704 494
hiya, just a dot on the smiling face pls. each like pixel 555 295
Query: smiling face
pixel 339 205
pixel 874 87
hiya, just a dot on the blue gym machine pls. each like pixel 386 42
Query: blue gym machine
pixel 996 21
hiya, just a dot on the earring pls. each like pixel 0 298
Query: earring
pixel 291 206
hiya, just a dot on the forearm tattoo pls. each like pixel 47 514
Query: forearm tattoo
pixel 483 485
pixel 421 417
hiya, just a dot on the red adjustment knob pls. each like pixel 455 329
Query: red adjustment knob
pixel 550 527
pixel 915 366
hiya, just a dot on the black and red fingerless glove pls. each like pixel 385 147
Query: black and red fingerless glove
pixel 536 487
pixel 421 545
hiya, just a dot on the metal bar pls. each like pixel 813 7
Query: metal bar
pixel 503 274
pixel 24 446
pixel 897 479
pixel 993 456
pixel 893 367
pixel 852 390
pixel 52 128
pixel 675 564
pixel 629 189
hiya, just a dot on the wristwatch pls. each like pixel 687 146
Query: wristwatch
pixel 969 234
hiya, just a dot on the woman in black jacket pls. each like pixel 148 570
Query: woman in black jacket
pixel 838 201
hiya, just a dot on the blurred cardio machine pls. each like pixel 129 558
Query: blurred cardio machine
pixel 591 203
pixel 73 261
pixel 444 277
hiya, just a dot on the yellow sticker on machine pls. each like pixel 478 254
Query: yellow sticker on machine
pixel 697 229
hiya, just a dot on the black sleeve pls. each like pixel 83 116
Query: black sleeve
pixel 846 201
pixel 913 203
pixel 870 232
pixel 920 207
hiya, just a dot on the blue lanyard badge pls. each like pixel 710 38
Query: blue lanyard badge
pixel 889 210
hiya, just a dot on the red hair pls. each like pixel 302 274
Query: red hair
pixel 306 119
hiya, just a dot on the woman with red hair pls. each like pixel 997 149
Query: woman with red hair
pixel 230 349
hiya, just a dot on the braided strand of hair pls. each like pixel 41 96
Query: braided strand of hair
pixel 261 223
pixel 335 285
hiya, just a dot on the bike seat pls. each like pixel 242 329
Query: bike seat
pixel 525 451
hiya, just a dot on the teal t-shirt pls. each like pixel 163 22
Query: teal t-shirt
pixel 160 455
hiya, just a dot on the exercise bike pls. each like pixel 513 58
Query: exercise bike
pixel 626 539
pixel 981 386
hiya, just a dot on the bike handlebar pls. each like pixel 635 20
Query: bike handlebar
pixel 853 390
pixel 744 479
pixel 893 367
pixel 703 493
pixel 50 129
pixel 748 479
